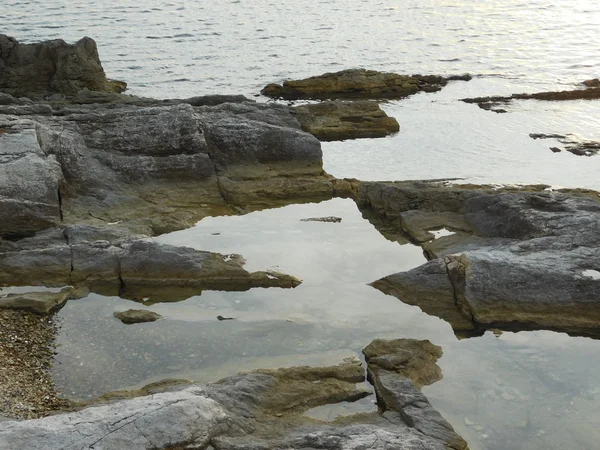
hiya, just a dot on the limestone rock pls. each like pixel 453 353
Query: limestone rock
pixel 253 410
pixel 132 316
pixel 154 169
pixel 518 261
pixel 336 120
pixel 357 83
pixel 112 261
pixel 36 70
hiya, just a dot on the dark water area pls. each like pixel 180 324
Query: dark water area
pixel 527 390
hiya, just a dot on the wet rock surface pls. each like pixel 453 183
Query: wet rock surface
pixel 258 409
pixel 36 70
pixel 358 84
pixel 337 120
pixel 517 260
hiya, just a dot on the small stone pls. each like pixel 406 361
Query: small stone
pixel 132 316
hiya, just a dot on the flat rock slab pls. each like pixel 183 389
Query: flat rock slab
pixel 132 316
pixel 358 84
pixel 253 410
pixel 43 303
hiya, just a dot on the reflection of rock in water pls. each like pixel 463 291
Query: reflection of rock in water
pixel 540 391
pixel 260 409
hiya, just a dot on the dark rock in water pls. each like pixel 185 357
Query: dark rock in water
pixel 252 410
pixel 491 103
pixel 330 219
pixel 336 120
pixel 37 70
pixel 572 143
pixel 132 316
pixel 517 259
pixel 358 84
pixel 593 83
pixel 221 318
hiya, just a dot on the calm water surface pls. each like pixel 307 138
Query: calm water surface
pixel 536 390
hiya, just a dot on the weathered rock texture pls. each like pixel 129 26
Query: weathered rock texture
pixel 37 70
pixel 572 144
pixel 591 91
pixel 255 410
pixel 154 169
pixel 358 84
pixel 518 258
pixel 397 368
pixel 110 260
pixel 336 120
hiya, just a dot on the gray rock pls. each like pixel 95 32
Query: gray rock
pixel 29 185
pixel 112 261
pixel 517 261
pixel 52 67
pixel 254 410
pixel 43 303
pixel 155 168
pixel 132 316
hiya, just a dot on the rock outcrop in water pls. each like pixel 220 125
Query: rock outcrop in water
pixel 257 410
pixel 355 84
pixel 110 260
pixel 518 259
pixel 52 67
pixel 336 120
pixel 572 143
pixel 591 91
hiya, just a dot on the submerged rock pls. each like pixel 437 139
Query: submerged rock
pixel 37 70
pixel 132 316
pixel 492 103
pixel 329 219
pixel 573 144
pixel 517 259
pixel 259 409
pixel 358 84
pixel 336 120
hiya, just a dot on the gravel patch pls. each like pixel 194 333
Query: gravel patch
pixel 26 354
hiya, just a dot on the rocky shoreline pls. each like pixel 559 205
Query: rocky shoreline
pixel 88 176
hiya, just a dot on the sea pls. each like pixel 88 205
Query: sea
pixel 526 390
